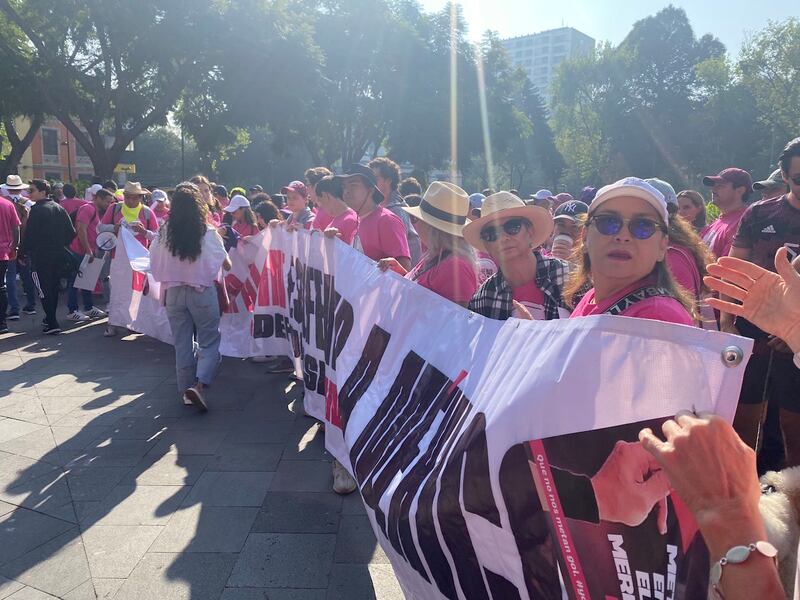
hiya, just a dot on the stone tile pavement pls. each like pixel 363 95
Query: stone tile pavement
pixel 111 488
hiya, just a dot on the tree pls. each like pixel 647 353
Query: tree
pixel 18 100
pixel 158 157
pixel 110 69
pixel 770 68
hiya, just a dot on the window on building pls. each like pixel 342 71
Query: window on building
pixel 79 151
pixel 49 141
pixel 560 49
pixel 528 62
pixel 84 177
pixel 529 42
pixel 52 176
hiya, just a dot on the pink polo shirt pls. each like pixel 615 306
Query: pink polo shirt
pixel 87 214
pixel 381 234
pixel 658 308
pixel 719 235
pixel 72 204
pixel 455 278
pixel 9 219
pixel 346 223
pixel 322 219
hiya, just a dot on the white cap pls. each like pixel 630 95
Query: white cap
pixel 543 195
pixel 91 191
pixel 237 202
pixel 632 186
pixel 159 196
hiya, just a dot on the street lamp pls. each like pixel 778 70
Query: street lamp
pixel 69 157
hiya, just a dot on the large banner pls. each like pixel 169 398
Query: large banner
pixel 496 460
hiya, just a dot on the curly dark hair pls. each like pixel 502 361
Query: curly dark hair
pixel 187 224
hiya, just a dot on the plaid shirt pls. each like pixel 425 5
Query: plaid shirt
pixel 494 298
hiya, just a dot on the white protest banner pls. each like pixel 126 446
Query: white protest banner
pixel 135 296
pixel 495 459
pixel 88 273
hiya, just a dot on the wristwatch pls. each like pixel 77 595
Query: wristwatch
pixel 736 556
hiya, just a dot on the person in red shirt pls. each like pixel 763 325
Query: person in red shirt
pixel 342 220
pixel 85 244
pixel 624 249
pixel 70 202
pixel 730 191
pixel 448 266
pixel 381 234
pixel 765 227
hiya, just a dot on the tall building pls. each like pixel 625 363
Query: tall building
pixel 540 54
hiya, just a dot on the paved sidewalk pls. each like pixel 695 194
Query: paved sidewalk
pixel 111 488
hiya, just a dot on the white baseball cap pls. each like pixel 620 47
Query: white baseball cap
pixel 632 186
pixel 91 191
pixel 237 202
pixel 159 196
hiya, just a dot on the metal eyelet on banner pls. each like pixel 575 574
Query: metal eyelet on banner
pixel 732 356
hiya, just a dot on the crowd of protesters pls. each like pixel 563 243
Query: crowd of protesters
pixel 634 248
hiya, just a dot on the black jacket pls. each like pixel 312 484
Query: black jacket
pixel 48 232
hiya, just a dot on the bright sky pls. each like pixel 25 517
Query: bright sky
pixel 611 20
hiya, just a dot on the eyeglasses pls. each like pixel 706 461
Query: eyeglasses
pixel 511 227
pixel 641 228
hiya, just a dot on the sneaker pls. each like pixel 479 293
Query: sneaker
pixel 12 316
pixel 52 330
pixel 110 331
pixel 3 328
pixel 195 396
pixel 96 313
pixel 280 365
pixel 29 310
pixel 78 317
pixel 187 400
pixel 343 483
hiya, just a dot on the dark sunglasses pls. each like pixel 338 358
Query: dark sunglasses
pixel 641 228
pixel 511 227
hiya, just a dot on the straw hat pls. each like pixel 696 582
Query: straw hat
pixel 134 188
pixel 444 206
pixel 14 183
pixel 503 205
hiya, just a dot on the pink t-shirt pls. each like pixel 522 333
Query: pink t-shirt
pixel 658 308
pixel 381 234
pixel 455 278
pixel 214 218
pixel 86 214
pixel 684 269
pixel 244 230
pixel 346 223
pixel 719 235
pixel 322 220
pixel 72 204
pixel 161 214
pixel 532 298
pixel 9 219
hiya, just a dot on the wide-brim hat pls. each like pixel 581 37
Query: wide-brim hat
pixel 503 205
pixel 775 180
pixel 14 183
pixel 366 175
pixel 134 188
pixel 444 206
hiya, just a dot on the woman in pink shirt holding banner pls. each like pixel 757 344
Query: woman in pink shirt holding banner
pixel 624 249
pixel 448 265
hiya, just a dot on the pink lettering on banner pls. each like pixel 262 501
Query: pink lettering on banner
pixel 556 513
pixel 332 404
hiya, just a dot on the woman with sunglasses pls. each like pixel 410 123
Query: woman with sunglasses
pixel 448 265
pixel 527 285
pixel 624 249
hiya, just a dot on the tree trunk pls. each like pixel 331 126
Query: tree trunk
pixel 18 145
